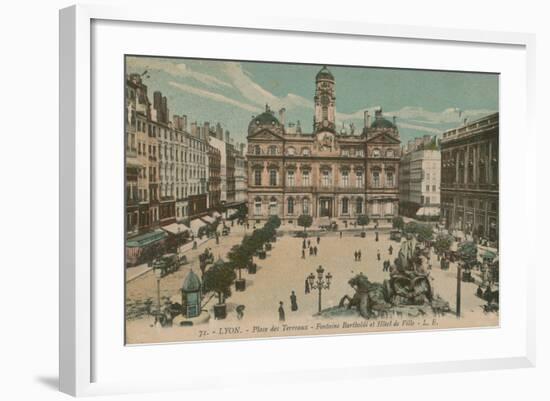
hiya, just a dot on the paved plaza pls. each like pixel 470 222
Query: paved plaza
pixel 283 271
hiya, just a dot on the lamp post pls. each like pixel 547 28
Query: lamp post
pixel 158 275
pixel 322 283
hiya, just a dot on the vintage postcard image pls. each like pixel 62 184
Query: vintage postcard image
pixel 281 199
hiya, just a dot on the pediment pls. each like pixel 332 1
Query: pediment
pixel 266 135
pixel 383 138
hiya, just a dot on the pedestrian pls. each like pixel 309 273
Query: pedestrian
pixel 303 253
pixel 308 243
pixel 378 254
pixel 315 250
pixel 281 312
pixel 355 255
pixel 307 287
pixel 376 233
pixel 359 255
pixel 318 240
pixel 390 249
pixel 304 244
pixel 293 302
pixel 340 234
pixel 310 251
pixel 240 311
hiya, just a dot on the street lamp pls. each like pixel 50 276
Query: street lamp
pixel 322 283
pixel 158 274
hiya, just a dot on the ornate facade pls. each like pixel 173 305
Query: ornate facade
pixel 333 175
pixel 469 178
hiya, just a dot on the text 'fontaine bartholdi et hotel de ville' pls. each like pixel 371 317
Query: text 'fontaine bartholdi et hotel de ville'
pixel 333 174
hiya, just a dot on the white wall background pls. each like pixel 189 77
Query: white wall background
pixel 29 196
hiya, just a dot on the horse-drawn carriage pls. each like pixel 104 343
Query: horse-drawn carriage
pixel 167 263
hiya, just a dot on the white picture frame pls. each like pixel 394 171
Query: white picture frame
pixel 81 348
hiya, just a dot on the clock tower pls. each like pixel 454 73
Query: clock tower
pixel 325 100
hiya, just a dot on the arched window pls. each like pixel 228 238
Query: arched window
pixel 273 209
pixel 272 150
pixel 305 178
pixel 345 206
pixel 376 178
pixel 376 153
pixel 258 206
pixel 359 182
pixel 389 179
pixel 257 150
pixel 305 151
pixel 290 205
pixel 257 176
pixel 273 177
pixel 305 206
pixel 291 151
pixel 290 178
pixel 359 206
pixel 325 178
pixel 345 178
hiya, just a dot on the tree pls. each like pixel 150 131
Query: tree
pixel 398 223
pixel 305 220
pixel 424 232
pixel 467 251
pixel 443 243
pixel 218 279
pixel 274 221
pixel 238 257
pixel 363 220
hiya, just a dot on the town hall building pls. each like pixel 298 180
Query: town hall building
pixel 334 175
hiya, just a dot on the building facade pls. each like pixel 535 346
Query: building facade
pixel 470 178
pixel 214 180
pixel 330 174
pixel 240 175
pixel 420 179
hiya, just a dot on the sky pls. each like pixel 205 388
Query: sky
pixel 231 92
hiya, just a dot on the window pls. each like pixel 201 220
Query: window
pixel 345 206
pixel 359 206
pixel 290 178
pixel 305 178
pixel 345 178
pixel 291 151
pixel 326 178
pixel 433 188
pixel 389 179
pixel 376 153
pixel 258 206
pixel 305 152
pixel 375 179
pixel 257 177
pixel 359 179
pixel 359 153
pixel 290 205
pixel 305 206
pixel 345 152
pixel 272 150
pixel 390 153
pixel 427 200
pixel 273 206
pixel 273 177
pixel 257 150
pixel 427 188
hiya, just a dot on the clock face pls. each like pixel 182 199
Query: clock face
pixel 325 123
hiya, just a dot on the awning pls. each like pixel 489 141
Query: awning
pixel 208 219
pixel 428 211
pixel 175 228
pixel 195 225
pixel 489 255
pixel 146 239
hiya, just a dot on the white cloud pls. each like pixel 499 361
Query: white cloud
pixel 177 69
pixel 217 97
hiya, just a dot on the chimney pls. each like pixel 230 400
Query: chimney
pixel 227 135
pixel 366 118
pixel 206 128
pixel 184 122
pixel 282 116
pixel 194 128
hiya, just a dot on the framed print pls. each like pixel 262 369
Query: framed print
pixel 288 189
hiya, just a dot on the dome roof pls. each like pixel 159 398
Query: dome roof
pixel 381 122
pixel 191 283
pixel 266 118
pixel 324 73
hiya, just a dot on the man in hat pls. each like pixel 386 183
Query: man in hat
pixel 293 302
